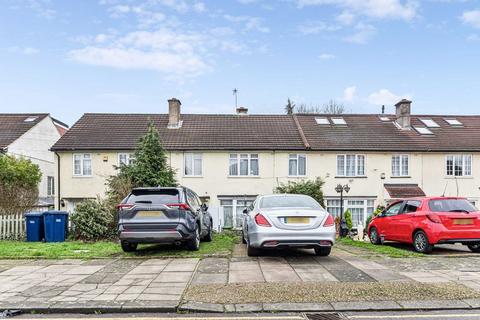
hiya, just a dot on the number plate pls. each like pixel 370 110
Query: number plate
pixel 149 214
pixel 462 221
pixel 299 220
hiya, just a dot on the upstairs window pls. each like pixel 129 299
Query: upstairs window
pixel 82 164
pixel 243 164
pixel 350 165
pixel 193 164
pixel 50 186
pixel 297 165
pixel 125 159
pixel 459 165
pixel 400 165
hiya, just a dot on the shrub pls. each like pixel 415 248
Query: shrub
pixel 348 219
pixel 92 220
pixel 312 188
pixel 19 179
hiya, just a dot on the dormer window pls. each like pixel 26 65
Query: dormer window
pixel 430 123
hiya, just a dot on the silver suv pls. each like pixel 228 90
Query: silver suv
pixel 163 215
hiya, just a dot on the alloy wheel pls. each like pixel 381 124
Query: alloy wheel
pixel 420 242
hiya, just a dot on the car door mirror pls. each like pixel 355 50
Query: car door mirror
pixel 204 207
pixel 245 211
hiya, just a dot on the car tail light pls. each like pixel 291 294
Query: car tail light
pixel 262 221
pixel 434 218
pixel 183 206
pixel 329 222
pixel 125 206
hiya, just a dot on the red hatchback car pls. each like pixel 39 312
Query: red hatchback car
pixel 425 222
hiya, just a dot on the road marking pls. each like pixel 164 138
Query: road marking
pixel 403 316
pixel 185 318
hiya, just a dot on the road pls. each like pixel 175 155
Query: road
pixel 414 315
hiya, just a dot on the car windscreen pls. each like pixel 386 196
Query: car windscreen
pixel 166 196
pixel 289 202
pixel 451 205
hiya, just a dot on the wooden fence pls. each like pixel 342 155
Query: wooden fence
pixel 12 226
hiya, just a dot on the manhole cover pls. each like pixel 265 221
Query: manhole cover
pixel 325 316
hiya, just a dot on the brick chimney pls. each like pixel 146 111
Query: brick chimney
pixel 242 111
pixel 402 110
pixel 174 121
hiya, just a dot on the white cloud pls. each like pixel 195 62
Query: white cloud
pixel 326 56
pixel 199 7
pixel 315 27
pixel 382 9
pixel 471 18
pixel 384 97
pixel 23 50
pixel 171 53
pixel 349 94
pixel 473 37
pixel 362 34
pixel 250 23
pixel 346 18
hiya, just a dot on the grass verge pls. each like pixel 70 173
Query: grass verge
pixel 310 292
pixel 222 245
pixel 384 249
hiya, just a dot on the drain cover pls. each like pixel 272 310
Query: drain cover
pixel 325 316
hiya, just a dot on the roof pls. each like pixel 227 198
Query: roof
pixel 367 132
pixel 13 126
pixel 360 132
pixel 404 190
pixel 198 132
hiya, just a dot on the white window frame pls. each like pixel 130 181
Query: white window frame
pixel 50 186
pixel 356 167
pixel 296 157
pixel 128 156
pixel 192 155
pixel 82 165
pixel 239 156
pixel 453 158
pixel 401 169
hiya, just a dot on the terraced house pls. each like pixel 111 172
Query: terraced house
pixel 229 159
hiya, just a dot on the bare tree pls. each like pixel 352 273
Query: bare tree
pixel 304 108
pixel 333 107
pixel 289 107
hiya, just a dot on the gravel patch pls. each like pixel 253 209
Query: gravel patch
pixel 326 292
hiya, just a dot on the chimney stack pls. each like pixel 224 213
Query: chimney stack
pixel 174 121
pixel 402 110
pixel 242 111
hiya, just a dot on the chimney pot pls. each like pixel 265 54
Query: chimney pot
pixel 174 121
pixel 242 111
pixel 403 112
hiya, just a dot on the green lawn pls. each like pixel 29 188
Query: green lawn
pixel 222 245
pixel 385 249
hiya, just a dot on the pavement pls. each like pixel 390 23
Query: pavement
pixel 166 285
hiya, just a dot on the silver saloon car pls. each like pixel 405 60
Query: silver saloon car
pixel 287 220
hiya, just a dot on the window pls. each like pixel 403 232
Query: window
pixel 322 120
pixel 50 186
pixel 360 209
pixel 243 164
pixel 459 165
pixel 430 123
pixel 394 209
pixel 411 206
pixel 297 165
pixel 82 164
pixel 350 165
pixel 339 121
pixel 233 211
pixel 454 122
pixel 422 130
pixel 30 119
pixel 125 159
pixel 384 118
pixel 400 165
pixel 193 164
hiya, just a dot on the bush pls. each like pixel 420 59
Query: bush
pixel 19 179
pixel 312 188
pixel 92 220
pixel 348 219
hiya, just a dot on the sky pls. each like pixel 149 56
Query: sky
pixel 69 57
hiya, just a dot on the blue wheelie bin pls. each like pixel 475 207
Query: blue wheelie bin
pixel 56 226
pixel 35 227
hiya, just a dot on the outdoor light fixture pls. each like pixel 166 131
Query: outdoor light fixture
pixel 343 224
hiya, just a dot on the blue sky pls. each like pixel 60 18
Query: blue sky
pixel 69 57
